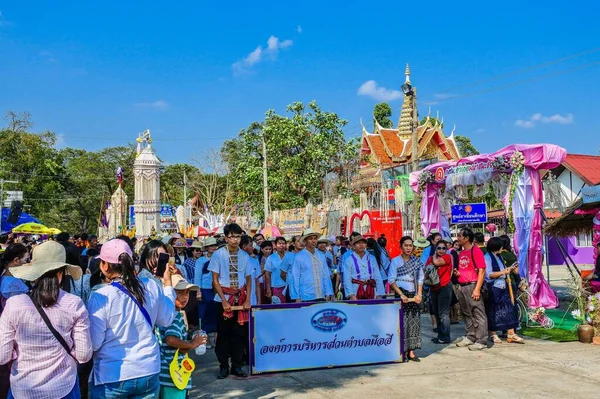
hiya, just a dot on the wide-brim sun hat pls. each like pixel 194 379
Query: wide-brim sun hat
pixel 180 284
pixel 421 242
pixel 308 233
pixel 45 258
pixel 357 239
pixel 324 239
pixel 209 241
pixel 196 244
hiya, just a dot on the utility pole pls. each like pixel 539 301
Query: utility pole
pixel 2 181
pixel 415 159
pixel 185 198
pixel 265 184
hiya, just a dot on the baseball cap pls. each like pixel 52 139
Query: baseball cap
pixel 111 250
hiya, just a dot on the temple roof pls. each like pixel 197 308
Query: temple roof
pixel 389 147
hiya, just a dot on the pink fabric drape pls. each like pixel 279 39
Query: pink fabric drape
pixel 541 293
pixel 430 210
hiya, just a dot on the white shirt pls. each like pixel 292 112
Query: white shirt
pixel 124 344
pixel 363 266
pixel 406 282
pixel 219 263
pixel 310 276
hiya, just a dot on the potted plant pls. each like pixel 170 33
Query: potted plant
pixel 593 315
pixel 585 331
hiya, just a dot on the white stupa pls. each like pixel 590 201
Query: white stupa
pixel 147 188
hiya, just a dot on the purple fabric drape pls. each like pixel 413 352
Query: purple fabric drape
pixel 430 210
pixel 541 293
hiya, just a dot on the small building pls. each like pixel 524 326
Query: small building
pixel 574 174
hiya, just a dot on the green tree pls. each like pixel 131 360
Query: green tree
pixel 32 160
pixel 301 149
pixel 171 182
pixel 465 147
pixel 91 177
pixel 382 114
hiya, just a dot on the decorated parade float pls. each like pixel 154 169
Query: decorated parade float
pixel 514 174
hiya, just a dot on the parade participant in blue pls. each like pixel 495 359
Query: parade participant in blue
pixel 232 280
pixel 362 279
pixel 323 246
pixel 203 278
pixel 180 245
pixel 287 262
pixel 310 277
pixel 188 270
pixel 273 282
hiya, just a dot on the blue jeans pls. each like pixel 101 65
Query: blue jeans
pixel 136 388
pixel 74 394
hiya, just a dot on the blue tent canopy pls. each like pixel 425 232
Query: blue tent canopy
pixel 25 218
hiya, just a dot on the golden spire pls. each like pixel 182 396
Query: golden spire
pixel 406 115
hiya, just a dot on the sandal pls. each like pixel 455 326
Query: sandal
pixel 496 339
pixel 515 338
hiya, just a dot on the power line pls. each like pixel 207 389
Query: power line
pixel 520 71
pixel 515 84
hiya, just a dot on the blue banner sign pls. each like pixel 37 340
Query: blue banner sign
pixel 316 335
pixel 131 216
pixel 166 210
pixel 469 213
pixel 590 194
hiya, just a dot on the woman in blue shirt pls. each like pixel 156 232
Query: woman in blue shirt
pixel 501 310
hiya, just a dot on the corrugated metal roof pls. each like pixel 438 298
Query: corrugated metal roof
pixel 586 166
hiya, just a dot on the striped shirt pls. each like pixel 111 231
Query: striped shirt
pixel 42 369
pixel 177 329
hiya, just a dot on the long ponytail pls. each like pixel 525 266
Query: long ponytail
pixel 126 269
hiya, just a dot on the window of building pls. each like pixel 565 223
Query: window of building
pixel 584 240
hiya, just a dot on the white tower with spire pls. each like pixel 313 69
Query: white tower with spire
pixel 146 169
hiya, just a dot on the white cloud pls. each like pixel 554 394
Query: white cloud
pixel 260 53
pixel 538 118
pixel 370 88
pixel 47 56
pixel 299 29
pixel 158 105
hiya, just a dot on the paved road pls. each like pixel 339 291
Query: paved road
pixel 538 369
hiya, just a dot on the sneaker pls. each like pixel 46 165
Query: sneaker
pixel 238 372
pixel 223 372
pixel 477 347
pixel 464 342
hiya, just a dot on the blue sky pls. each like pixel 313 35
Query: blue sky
pixel 99 73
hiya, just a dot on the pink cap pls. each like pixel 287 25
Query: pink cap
pixel 111 251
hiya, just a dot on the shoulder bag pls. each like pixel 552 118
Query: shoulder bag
pixel 56 334
pixel 140 307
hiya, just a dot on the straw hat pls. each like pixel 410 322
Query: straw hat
pixel 46 257
pixel 421 242
pixel 308 233
pixel 358 238
pixel 196 244
pixel 180 243
pixel 210 241
pixel 324 239
pixel 180 284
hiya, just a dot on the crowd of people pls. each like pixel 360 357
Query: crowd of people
pixel 83 319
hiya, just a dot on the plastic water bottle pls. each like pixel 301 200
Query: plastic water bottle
pixel 200 350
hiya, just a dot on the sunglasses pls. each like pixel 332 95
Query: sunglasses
pixel 440 248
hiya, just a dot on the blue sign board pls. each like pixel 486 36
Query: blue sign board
pixel 469 213
pixel 590 194
pixel 131 216
pixel 166 210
